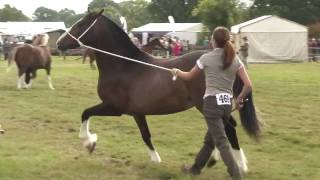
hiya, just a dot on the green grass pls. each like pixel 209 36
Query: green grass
pixel 41 141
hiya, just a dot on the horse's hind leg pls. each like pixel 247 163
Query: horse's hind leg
pixel 48 69
pixel 146 136
pixel 28 79
pixel 236 150
pixel 89 140
pixel 92 63
pixel 21 78
pixel 84 56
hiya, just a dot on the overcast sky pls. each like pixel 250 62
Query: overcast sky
pixel 29 6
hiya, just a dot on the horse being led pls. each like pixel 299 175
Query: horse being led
pixel 126 87
pixel 31 57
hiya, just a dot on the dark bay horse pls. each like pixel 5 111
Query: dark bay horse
pixel 126 87
pixel 31 57
pixel 154 44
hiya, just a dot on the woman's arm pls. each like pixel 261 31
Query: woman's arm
pixel 247 88
pixel 195 71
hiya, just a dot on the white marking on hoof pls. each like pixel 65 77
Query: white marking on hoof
pixel 241 160
pixel 50 83
pixel 30 84
pixel 25 85
pixel 155 157
pixel 216 154
pixel 21 81
pixel 88 140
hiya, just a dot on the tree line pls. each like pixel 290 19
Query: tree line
pixel 210 12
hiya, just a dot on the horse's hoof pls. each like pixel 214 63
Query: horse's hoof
pixel 90 142
pixel 92 147
pixel 155 157
pixel 211 163
pixel 89 145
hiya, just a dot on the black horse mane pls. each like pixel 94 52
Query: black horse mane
pixel 123 38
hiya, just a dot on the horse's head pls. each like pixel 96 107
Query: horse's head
pixel 80 30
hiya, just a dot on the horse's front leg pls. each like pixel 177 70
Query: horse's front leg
pixel 146 136
pixel 89 140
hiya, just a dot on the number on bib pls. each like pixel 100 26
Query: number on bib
pixel 223 99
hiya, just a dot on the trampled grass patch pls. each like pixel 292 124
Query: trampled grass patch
pixel 41 139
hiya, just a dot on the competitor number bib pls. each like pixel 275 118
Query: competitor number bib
pixel 223 99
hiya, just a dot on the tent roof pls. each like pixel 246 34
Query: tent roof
pixel 170 27
pixel 236 28
pixel 269 23
pixel 29 28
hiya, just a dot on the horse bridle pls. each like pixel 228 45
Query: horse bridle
pixel 84 32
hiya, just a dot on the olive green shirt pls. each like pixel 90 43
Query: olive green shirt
pixel 217 79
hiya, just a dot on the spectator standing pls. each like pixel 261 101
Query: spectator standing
pixel 244 48
pixel 6 48
pixel 176 48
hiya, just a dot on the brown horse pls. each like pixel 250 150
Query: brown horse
pixel 125 87
pixel 31 57
pixel 154 44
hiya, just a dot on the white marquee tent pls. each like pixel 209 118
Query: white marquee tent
pixel 28 29
pixel 185 31
pixel 273 39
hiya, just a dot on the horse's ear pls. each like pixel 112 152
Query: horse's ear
pixel 101 11
pixel 88 9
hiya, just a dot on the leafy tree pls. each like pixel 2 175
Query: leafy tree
pixel 9 13
pixel 314 30
pixel 67 16
pixel 111 9
pixel 304 12
pixel 45 14
pixel 71 20
pixel 181 10
pixel 217 13
pixel 135 12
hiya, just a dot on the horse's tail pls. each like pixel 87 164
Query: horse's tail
pixel 248 116
pixel 11 57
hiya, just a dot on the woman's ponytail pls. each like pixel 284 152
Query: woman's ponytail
pixel 229 55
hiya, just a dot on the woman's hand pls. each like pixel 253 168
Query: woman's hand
pixel 174 71
pixel 186 75
pixel 239 103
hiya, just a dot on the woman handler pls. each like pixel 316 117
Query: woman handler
pixel 220 66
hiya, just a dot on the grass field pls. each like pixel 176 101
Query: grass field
pixel 41 141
